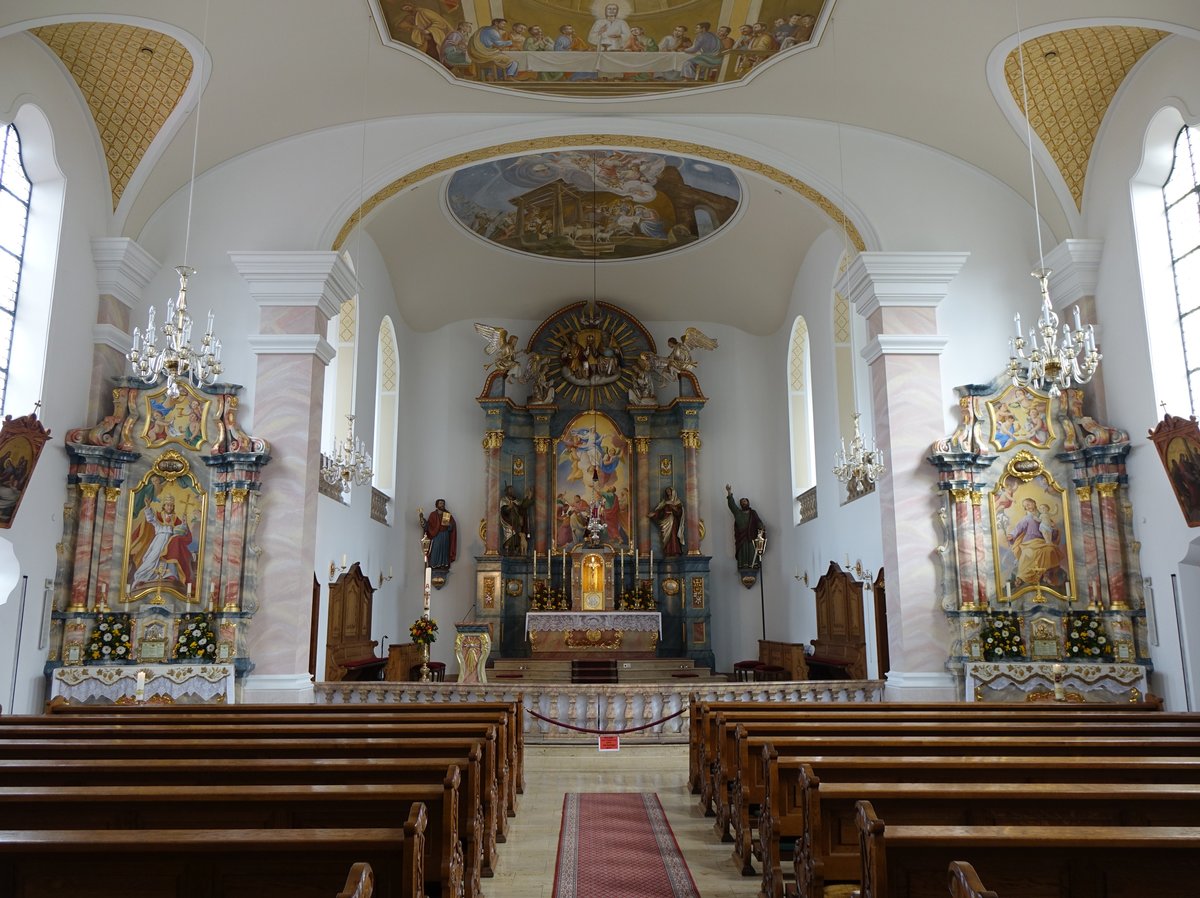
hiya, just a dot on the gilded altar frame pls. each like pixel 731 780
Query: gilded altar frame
pixel 1039 541
pixel 170 479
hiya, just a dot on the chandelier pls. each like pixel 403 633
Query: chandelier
pixel 350 462
pixel 1048 365
pixel 176 357
pixel 861 465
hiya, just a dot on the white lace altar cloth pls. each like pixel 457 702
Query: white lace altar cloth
pixel 98 684
pixel 560 621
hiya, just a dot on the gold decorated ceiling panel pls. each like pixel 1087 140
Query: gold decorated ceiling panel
pixel 132 78
pixel 1071 77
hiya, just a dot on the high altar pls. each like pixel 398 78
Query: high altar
pixel 590 547
pixel 1041 580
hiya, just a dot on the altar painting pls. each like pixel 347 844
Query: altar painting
pixel 21 442
pixel 1021 416
pixel 599 48
pixel 594 205
pixel 182 419
pixel 1031 532
pixel 1178 443
pixel 592 465
pixel 164 533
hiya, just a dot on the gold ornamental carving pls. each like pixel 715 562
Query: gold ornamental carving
pixel 493 440
pixel 541 445
pixel 593 639
pixel 220 499
pixel 1107 489
pixel 690 439
pixel 89 490
pixel 697 592
pixel 239 494
pixel 960 493
pixel 112 493
pixel 641 445
pixel 1084 493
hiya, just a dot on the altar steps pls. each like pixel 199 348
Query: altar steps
pixel 651 670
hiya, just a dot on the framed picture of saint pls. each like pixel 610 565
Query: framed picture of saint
pixel 164 534
pixel 1031 531
pixel 21 442
pixel 1178 443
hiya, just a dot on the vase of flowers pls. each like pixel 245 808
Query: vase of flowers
pixel 109 639
pixel 1001 637
pixel 196 641
pixel 1086 639
pixel 423 632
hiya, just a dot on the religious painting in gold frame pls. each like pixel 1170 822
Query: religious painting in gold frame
pixel 1031 532
pixel 21 442
pixel 1178 443
pixel 182 419
pixel 164 533
pixel 592 467
pixel 1019 415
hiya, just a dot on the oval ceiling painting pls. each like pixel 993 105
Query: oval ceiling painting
pixel 590 205
pixel 604 49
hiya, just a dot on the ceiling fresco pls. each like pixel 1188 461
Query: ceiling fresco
pixel 594 205
pixel 600 48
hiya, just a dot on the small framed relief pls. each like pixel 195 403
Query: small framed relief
pixel 73 654
pixel 224 652
pixel 974 649
pixel 1123 650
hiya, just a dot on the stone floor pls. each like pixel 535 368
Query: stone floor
pixel 526 868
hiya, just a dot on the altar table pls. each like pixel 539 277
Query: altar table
pixel 566 634
pixel 163 683
pixel 614 63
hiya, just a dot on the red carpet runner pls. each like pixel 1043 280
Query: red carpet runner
pixel 619 845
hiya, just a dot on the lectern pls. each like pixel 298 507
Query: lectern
pixel 472 645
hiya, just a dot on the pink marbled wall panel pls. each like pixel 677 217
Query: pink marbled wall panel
pixel 107 365
pixel 904 320
pixel 113 311
pixel 909 417
pixel 287 405
pixel 291 320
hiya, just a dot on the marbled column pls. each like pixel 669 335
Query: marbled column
pixel 123 269
pixel 964 544
pixel 691 487
pixel 981 587
pixel 84 534
pixel 545 507
pixel 297 294
pixel 105 575
pixel 642 513
pixel 235 549
pixel 899 294
pixel 217 553
pixel 1087 521
pixel 492 441
pixel 1115 571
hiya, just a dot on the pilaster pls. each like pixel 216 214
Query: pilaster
pixel 123 269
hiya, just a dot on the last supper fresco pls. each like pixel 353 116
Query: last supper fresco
pixel 594 205
pixel 601 48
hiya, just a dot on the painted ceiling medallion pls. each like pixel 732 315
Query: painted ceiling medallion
pixel 589 205
pixel 600 48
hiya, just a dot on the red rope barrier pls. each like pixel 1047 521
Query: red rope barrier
pixel 644 726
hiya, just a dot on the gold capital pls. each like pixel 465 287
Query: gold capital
pixel 112 493
pixel 493 439
pixel 1107 489
pixel 641 445
pixel 960 493
pixel 89 490
pixel 1084 493
pixel 541 445
pixel 690 439
pixel 239 494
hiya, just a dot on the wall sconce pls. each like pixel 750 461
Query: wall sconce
pixel 384 578
pixel 335 571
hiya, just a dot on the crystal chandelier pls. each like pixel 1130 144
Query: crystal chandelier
pixel 176 357
pixel 1049 366
pixel 861 465
pixel 350 462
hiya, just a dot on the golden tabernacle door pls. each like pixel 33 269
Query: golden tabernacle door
pixel 592 573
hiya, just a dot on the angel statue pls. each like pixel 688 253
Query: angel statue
pixel 537 373
pixel 678 359
pixel 502 345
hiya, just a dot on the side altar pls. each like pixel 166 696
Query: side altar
pixel 589 549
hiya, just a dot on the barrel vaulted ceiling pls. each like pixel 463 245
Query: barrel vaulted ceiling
pixel 280 68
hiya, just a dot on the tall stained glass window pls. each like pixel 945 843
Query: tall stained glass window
pixel 15 191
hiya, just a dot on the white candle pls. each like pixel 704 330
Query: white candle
pixel 1017 322
pixel 535 564
pixel 564 568
pixel 652 564
pixel 343 559
pixel 141 685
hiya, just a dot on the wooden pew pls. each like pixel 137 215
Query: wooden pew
pixel 828 851
pixel 965 882
pixel 248 807
pixel 960 738
pixel 61 739
pixel 360 883
pixel 513 712
pixel 1028 861
pixel 206 768
pixel 210 863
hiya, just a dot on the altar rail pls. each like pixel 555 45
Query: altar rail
pixel 608 708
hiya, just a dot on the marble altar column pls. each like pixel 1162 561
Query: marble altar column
pixel 84 534
pixel 297 293
pixel 492 441
pixel 212 598
pixel 1087 521
pixel 544 507
pixel 899 294
pixel 691 489
pixel 105 575
pixel 969 598
pixel 123 269
pixel 1114 557
pixel 641 524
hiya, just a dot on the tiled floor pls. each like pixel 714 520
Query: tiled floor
pixel 526 868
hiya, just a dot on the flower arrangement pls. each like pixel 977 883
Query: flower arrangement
pixel 546 599
pixel 1086 638
pixel 640 598
pixel 1001 637
pixel 196 638
pixel 109 639
pixel 423 631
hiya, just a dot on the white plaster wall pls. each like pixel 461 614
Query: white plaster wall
pixel 1170 75
pixel 30 75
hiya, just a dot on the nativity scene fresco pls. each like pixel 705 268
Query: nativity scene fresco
pixel 600 48
pixel 594 205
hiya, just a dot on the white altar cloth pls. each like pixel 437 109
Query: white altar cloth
pixel 561 621
pixel 611 63
pixel 176 682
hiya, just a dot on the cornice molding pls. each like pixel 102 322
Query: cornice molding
pixel 319 279
pixel 904 344
pixel 899 280
pixel 292 344
pixel 111 336
pixel 1075 271
pixel 123 268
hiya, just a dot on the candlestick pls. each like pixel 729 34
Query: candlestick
pixel 534 575
pixel 652 564
pixel 564 568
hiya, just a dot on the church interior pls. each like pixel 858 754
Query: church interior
pixel 611 357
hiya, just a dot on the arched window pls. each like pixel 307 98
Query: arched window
pixel 1181 203
pixel 804 466
pixel 387 409
pixel 15 194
